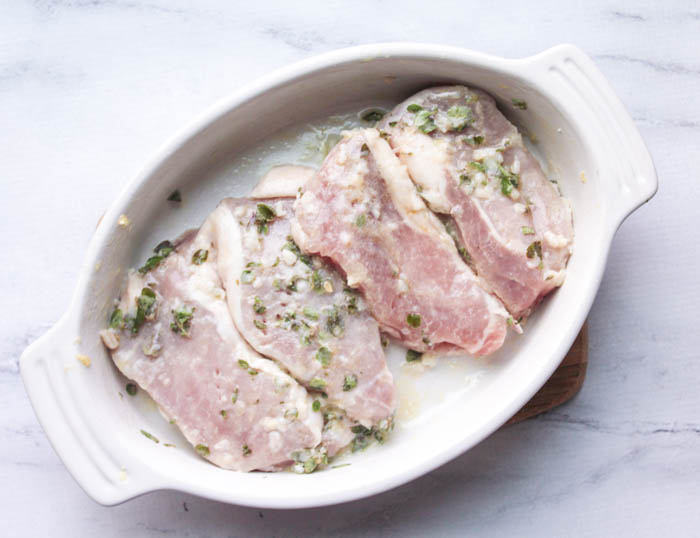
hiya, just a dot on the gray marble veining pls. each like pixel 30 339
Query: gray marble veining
pixel 88 90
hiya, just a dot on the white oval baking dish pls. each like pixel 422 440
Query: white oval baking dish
pixel 584 135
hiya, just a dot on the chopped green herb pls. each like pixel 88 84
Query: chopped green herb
pixel 334 323
pixel 509 180
pixel 461 116
pixel 424 121
pixel 323 355
pixel 307 467
pixel 131 389
pixel 163 250
pixel 311 464
pixel 475 140
pixel 477 166
pixel 247 276
pixel 392 124
pixel 311 314
pixel 151 263
pixel 258 306
pixel 223 413
pixel 414 108
pixel 373 115
pixel 519 103
pixel 364 436
pixel 199 257
pixel 234 398
pixel 175 196
pixel 247 451
pixel 527 230
pixel 413 320
pixel 169 445
pixel 361 220
pixel 260 325
pixel 317 383
pixel 316 406
pixel 252 371
pixel 464 179
pixel 351 303
pixel 316 281
pixel 350 382
pixel 202 450
pixel 182 320
pixel 534 249
pixel 292 286
pixel 150 436
pixel 144 309
pixel 165 246
pixel 291 414
pixel 263 215
pixel 364 148
pixel 413 355
pixel 116 320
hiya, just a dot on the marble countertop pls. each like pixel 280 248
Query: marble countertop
pixel 88 90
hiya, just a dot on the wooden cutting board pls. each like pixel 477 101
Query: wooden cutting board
pixel 565 382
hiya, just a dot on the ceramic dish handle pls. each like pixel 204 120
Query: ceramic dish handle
pixel 46 371
pixel 581 86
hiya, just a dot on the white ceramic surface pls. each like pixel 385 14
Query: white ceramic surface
pixel 580 127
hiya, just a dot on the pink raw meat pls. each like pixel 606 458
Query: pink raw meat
pixel 297 309
pixel 471 164
pixel 362 211
pixel 238 409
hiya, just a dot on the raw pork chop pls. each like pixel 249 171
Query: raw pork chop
pixel 362 211
pixel 174 336
pixel 470 163
pixel 296 309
